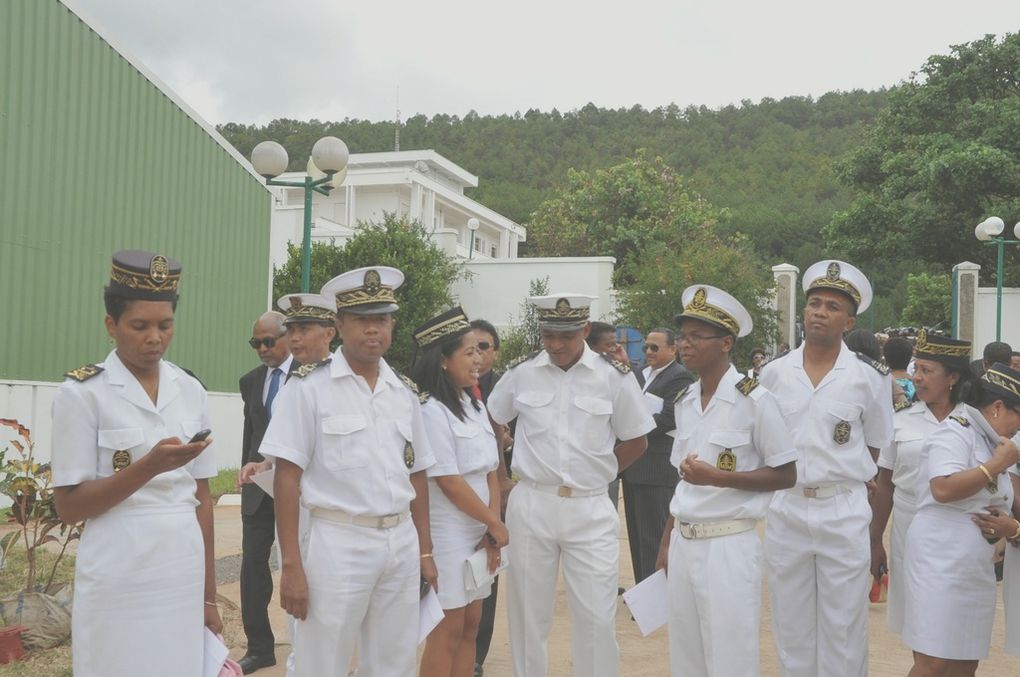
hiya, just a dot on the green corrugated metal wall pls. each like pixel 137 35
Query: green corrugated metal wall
pixel 95 158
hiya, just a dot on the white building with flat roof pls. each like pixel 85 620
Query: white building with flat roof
pixel 419 184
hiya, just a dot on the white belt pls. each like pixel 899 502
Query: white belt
pixel 380 522
pixel 714 529
pixel 827 491
pixel 566 492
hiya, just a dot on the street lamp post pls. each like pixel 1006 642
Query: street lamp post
pixel 472 225
pixel 329 155
pixel 989 232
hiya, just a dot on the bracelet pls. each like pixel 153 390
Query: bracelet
pixel 426 555
pixel 1016 534
pixel 211 604
pixel 983 469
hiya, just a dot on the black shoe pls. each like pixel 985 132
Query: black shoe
pixel 250 664
pixel 479 671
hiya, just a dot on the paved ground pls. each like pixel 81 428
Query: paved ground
pixel 640 656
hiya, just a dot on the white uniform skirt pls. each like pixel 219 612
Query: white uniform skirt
pixel 138 589
pixel 454 537
pixel 950 587
pixel 1011 598
pixel 902 516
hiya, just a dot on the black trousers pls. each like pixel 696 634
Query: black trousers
pixel 646 507
pixel 257 536
pixel 484 638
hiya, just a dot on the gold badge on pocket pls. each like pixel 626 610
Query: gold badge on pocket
pixel 727 461
pixel 408 455
pixel 121 460
pixel 841 433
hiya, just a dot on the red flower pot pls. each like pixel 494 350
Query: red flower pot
pixel 10 644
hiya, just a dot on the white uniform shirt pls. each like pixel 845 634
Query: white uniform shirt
pixel 952 448
pixel 349 441
pixel 748 425
pixel 460 447
pixel 911 427
pixel 852 395
pixel 111 412
pixel 568 421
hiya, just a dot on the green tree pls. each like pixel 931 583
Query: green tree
pixel 943 155
pixel 428 274
pixel 523 337
pixel 928 301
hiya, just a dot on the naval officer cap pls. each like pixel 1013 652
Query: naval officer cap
pixel 842 277
pixel 143 275
pixel 949 351
pixel 1003 381
pixel 298 308
pixel 365 291
pixel 717 308
pixel 446 325
pixel 562 312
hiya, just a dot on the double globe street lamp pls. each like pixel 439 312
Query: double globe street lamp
pixel 329 157
pixel 989 232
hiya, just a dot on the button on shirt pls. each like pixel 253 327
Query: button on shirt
pixel 911 426
pixel 111 412
pixel 852 395
pixel 750 426
pixel 349 440
pixel 568 421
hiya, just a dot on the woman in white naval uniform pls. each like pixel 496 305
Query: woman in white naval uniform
pixel 950 601
pixel 464 496
pixel 942 372
pixel 121 462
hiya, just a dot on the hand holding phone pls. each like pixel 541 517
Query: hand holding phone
pixel 200 436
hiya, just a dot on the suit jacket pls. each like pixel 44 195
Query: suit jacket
pixel 256 420
pixel 653 466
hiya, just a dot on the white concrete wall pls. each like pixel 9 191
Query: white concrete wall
pixel 29 402
pixel 495 290
pixel 984 318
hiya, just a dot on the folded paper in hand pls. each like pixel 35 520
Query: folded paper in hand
pixel 476 568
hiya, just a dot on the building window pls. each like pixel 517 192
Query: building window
pixel 478 244
pixel 492 251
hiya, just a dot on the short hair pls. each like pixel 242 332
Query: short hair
pixel 600 328
pixel 897 351
pixel 758 351
pixel 670 334
pixel 117 304
pixel 863 341
pixel 486 326
pixel 997 351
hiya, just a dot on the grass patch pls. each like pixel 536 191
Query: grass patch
pixel 12 576
pixel 225 482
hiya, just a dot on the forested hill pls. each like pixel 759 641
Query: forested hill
pixel 771 164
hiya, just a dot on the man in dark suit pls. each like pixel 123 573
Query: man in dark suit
pixel 259 388
pixel 649 482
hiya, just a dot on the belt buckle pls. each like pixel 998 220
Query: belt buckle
pixel 810 492
pixel 564 492
pixel 386 521
pixel 687 530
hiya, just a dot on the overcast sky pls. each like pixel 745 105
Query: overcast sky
pixel 256 60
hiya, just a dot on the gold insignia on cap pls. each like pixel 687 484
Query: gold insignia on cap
pixel 121 460
pixel 563 313
pixel 700 300
pixel 700 309
pixel 296 303
pixel 408 455
pixel 940 346
pixel 727 461
pixel 841 433
pixel 372 282
pixel 563 304
pixel 832 272
pixel 159 269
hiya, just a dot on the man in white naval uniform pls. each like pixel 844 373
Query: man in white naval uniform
pixel 838 406
pixel 732 450
pixel 580 420
pixel 347 435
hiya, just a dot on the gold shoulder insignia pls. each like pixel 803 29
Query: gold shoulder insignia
pixel 521 360
pixel 619 366
pixel 84 372
pixel 306 369
pixel 747 385
pixel 900 406
pixel 874 364
pixel 961 420
pixel 423 395
pixel 680 395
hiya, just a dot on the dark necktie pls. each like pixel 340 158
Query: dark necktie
pixel 274 387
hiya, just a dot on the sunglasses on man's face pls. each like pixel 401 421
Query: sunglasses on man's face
pixel 652 347
pixel 268 342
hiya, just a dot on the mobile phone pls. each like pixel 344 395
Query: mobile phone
pixel 200 435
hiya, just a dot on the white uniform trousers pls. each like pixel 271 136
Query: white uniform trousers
pixel 714 605
pixel 362 590
pixel 584 533
pixel 817 556
pixel 1011 599
pixel 304 517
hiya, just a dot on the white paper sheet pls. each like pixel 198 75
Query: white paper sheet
pixel 215 653
pixel 430 612
pixel 264 480
pixel 648 602
pixel 653 403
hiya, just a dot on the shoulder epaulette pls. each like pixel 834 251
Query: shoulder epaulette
pixel 84 372
pixel 900 406
pixel 619 366
pixel 306 369
pixel 522 359
pixel 423 395
pixel 747 385
pixel 874 364
pixel 961 420
pixel 680 395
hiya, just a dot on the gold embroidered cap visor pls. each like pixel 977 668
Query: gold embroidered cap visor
pixel 562 312
pixel 716 307
pixel 842 277
pixel 450 324
pixel 365 291
pixel 1004 381
pixel 306 308
pixel 949 351
pixel 143 275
